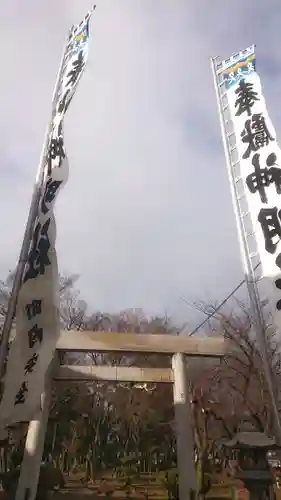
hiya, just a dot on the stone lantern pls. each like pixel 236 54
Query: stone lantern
pixel 253 467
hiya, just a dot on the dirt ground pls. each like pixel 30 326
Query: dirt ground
pixel 146 488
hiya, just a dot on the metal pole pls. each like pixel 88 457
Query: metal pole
pixel 236 208
pixel 28 233
pixel 247 264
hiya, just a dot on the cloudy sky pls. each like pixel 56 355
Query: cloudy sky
pixel 146 216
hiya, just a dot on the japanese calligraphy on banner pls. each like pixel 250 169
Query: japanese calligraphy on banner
pixel 37 315
pixel 260 166
pixel 75 58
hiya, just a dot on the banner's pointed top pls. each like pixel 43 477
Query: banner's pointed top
pixel 83 24
pixel 89 13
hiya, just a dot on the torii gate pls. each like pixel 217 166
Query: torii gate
pixel 85 341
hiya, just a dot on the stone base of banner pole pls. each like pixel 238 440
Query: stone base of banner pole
pixel 34 446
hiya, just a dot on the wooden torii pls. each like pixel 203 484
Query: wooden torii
pixel 179 348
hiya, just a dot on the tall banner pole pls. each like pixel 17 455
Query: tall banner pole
pixel 234 194
pixel 35 294
pixel 249 269
pixel 37 190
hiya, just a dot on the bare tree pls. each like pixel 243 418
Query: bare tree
pixel 237 385
pixel 72 309
pixel 5 292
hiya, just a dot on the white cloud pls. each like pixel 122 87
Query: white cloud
pixel 146 216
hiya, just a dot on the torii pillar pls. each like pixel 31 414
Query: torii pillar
pixel 184 434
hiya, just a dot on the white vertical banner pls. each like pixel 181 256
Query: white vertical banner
pixel 37 315
pixel 260 166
